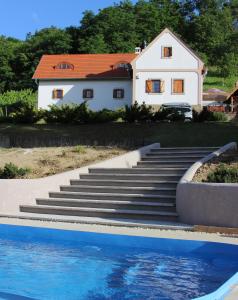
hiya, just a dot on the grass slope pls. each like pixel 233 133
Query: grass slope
pixel 214 80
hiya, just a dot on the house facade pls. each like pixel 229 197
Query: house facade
pixel 165 71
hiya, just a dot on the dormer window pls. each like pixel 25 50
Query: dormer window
pixel 123 65
pixel 166 52
pixel 64 66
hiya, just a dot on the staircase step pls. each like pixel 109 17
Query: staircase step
pixel 157 206
pixel 156 165
pixel 111 196
pixel 136 170
pixel 104 213
pixel 168 162
pixel 172 158
pixel 131 183
pixel 180 153
pixel 178 149
pixel 116 189
pixel 131 177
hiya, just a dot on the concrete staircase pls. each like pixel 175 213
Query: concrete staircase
pixel 143 193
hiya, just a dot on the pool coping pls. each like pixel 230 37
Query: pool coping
pixel 131 231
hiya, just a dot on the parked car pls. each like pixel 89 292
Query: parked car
pixel 181 108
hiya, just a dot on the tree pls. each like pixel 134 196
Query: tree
pixel 7 47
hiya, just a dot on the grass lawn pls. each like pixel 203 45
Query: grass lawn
pixel 124 135
pixel 213 80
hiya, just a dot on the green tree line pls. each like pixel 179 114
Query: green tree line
pixel 210 27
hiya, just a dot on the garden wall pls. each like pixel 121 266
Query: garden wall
pixel 210 204
pixel 44 140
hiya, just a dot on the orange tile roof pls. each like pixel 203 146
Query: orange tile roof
pixel 88 66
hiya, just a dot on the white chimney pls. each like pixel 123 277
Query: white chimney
pixel 138 50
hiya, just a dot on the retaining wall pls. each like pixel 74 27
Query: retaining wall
pixel 211 204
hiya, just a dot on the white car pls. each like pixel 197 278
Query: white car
pixel 182 108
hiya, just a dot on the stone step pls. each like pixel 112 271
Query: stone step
pixel 131 183
pixel 131 177
pixel 99 212
pixel 168 162
pixel 121 190
pixel 157 206
pixel 180 153
pixel 136 170
pixel 190 149
pixel 171 158
pixel 156 165
pixel 112 196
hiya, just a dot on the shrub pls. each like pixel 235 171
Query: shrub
pixel 104 116
pixel 60 114
pixel 83 114
pixel 206 115
pixel 223 174
pixel 137 113
pixel 80 149
pixel 168 114
pixel 11 171
pixel 219 117
pixel 79 114
pixel 27 113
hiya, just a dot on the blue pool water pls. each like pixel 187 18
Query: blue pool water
pixel 37 263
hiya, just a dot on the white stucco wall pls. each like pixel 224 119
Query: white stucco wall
pixel 73 91
pixel 190 95
pixel 152 58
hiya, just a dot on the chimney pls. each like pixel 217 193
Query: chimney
pixel 138 50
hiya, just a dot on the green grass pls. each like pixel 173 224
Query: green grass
pixel 122 134
pixel 213 80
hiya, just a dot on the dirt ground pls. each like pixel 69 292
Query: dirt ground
pixel 229 159
pixel 48 161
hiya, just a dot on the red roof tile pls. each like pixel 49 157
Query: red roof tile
pixel 84 66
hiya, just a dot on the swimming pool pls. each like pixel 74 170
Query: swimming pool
pixel 41 263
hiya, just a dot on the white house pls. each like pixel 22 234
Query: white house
pixel 165 71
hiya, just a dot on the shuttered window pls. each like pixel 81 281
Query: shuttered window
pixel 57 94
pixel 154 86
pixel 166 52
pixel 118 93
pixel 88 93
pixel 178 86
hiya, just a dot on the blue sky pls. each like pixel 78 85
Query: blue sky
pixel 18 17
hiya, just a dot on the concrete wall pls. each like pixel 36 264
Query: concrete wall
pixel 24 191
pixel 210 204
pixel 73 93
pixel 190 95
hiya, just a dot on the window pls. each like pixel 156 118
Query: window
pixel 178 86
pixel 58 94
pixel 88 93
pixel 166 52
pixel 64 66
pixel 118 93
pixel 154 86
